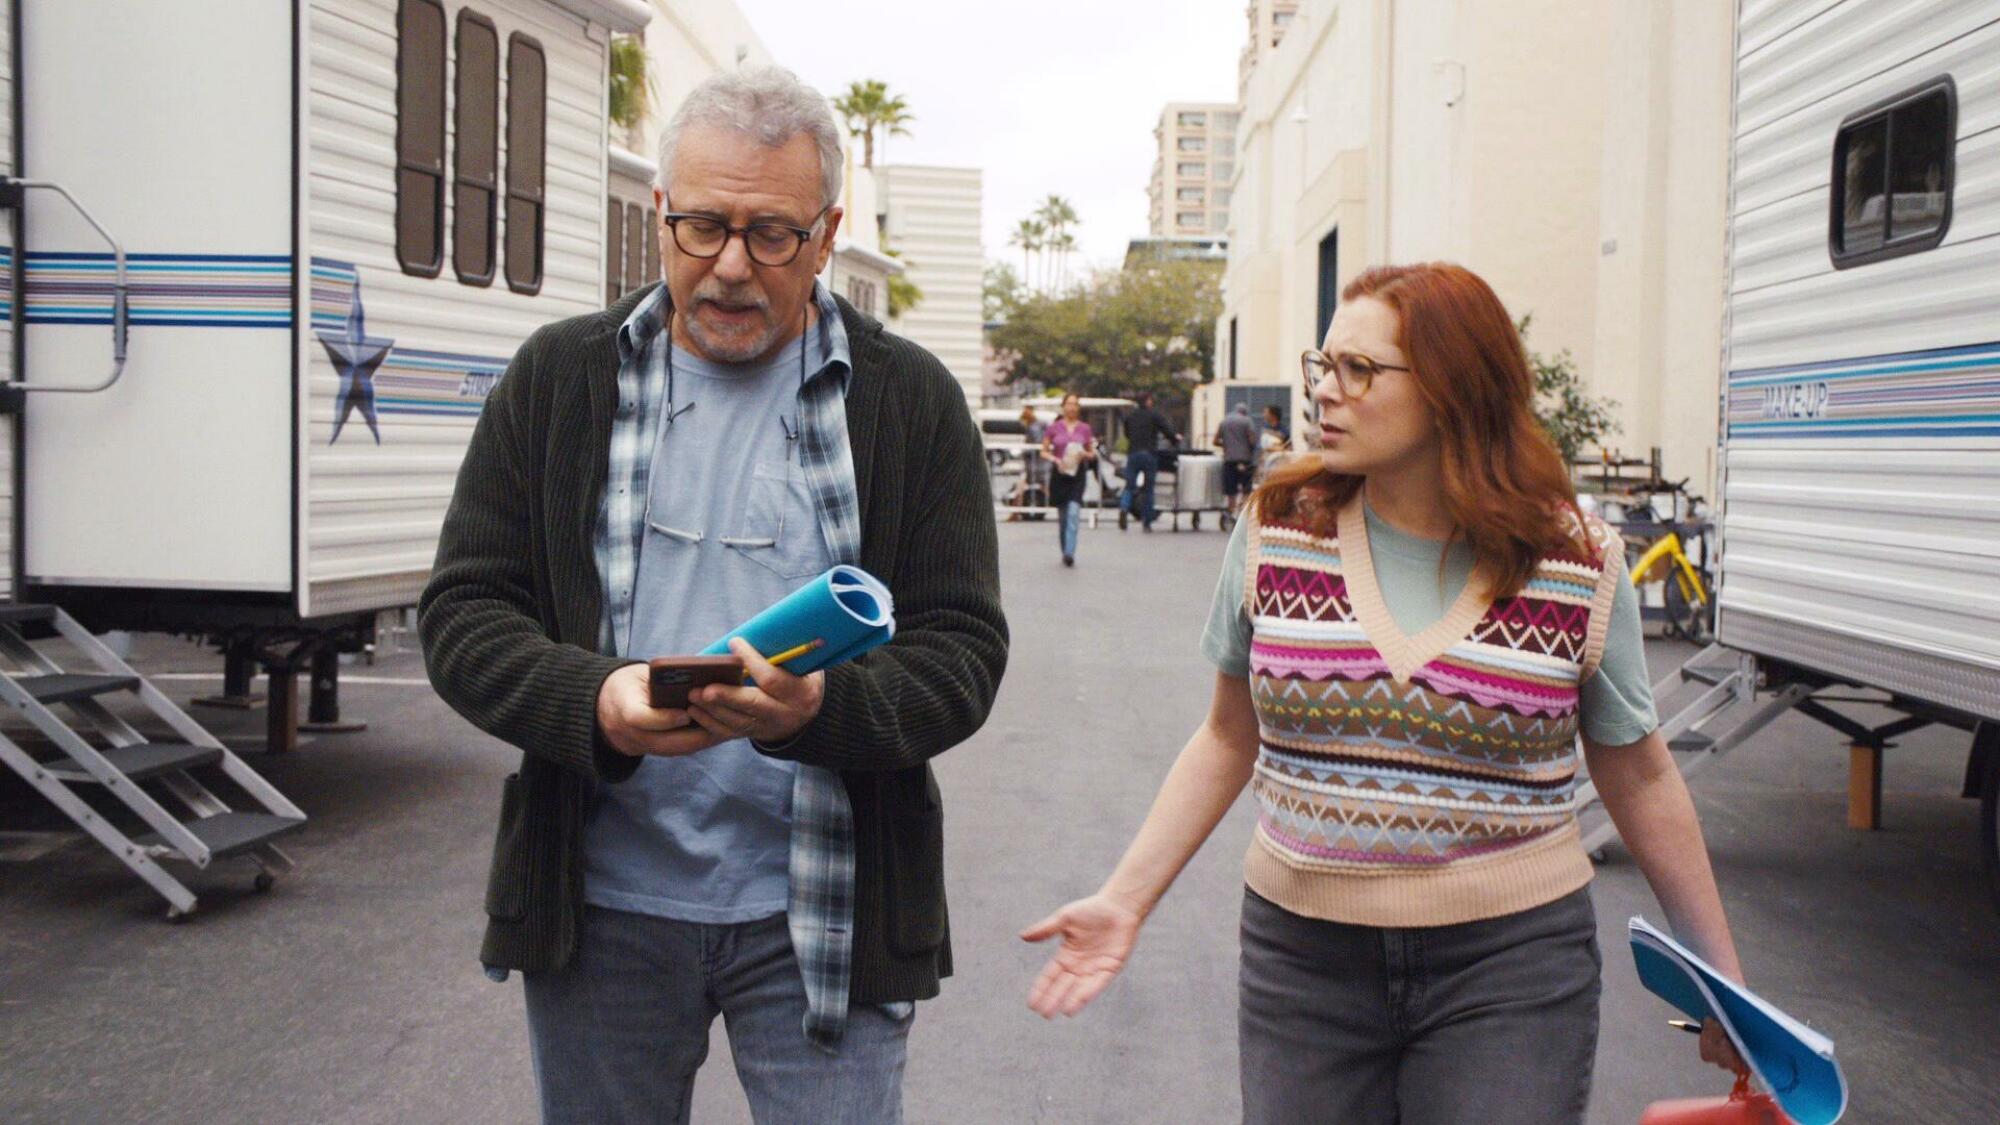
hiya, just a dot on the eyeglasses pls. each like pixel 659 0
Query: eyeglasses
pixel 769 244
pixel 1354 373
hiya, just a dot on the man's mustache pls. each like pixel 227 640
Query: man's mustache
pixel 722 296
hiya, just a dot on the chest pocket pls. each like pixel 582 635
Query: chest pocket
pixel 779 529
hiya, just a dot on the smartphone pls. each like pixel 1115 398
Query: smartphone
pixel 674 678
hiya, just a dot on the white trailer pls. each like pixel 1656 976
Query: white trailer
pixel 1860 444
pixel 339 218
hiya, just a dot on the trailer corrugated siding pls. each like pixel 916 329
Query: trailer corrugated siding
pixel 1862 412
pixel 372 511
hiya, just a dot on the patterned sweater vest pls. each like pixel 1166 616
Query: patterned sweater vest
pixel 1425 780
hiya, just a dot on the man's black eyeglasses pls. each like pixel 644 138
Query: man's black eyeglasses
pixel 769 244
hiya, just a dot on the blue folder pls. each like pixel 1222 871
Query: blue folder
pixel 847 610
pixel 1794 1062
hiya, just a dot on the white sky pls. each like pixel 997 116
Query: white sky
pixel 1043 95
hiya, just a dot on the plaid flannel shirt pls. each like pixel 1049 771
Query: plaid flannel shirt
pixel 820 914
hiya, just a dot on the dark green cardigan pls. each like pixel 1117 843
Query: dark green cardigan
pixel 510 625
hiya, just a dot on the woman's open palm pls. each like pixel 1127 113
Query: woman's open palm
pixel 1097 939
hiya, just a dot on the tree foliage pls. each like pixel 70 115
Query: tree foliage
pixel 1001 290
pixel 866 107
pixel 1150 328
pixel 1574 419
pixel 632 86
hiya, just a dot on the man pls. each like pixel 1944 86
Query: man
pixel 1237 437
pixel 642 480
pixel 1144 427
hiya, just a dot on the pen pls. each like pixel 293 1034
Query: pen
pixel 1688 1026
pixel 794 652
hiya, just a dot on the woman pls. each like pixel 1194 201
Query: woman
pixel 1413 625
pixel 1069 445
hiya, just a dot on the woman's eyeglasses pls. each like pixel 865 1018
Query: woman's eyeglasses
pixel 1355 373
pixel 769 244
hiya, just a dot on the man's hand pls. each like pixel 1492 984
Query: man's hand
pixel 632 725
pixel 774 706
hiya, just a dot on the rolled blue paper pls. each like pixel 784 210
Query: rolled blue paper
pixel 847 610
pixel 1793 1061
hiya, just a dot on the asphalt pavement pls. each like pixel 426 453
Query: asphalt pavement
pixel 351 993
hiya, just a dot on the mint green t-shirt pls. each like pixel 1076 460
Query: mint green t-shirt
pixel 1617 702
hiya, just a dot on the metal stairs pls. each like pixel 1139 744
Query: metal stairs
pixel 1715 721
pixel 211 830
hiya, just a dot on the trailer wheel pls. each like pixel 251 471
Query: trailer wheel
pixel 1989 825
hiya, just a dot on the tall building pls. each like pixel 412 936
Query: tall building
pixel 1590 195
pixel 1268 21
pixel 931 219
pixel 1193 169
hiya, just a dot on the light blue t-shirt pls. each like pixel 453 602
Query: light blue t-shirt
pixel 1617 702
pixel 730 528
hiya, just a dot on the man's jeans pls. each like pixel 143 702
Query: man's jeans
pixel 618 1035
pixel 1141 471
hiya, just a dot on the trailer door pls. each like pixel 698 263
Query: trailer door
pixel 174 124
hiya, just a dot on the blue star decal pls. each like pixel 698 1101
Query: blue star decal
pixel 355 355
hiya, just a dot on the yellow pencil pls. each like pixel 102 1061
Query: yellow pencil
pixel 793 652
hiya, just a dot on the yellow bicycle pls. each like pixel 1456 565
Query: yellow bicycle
pixel 1689 594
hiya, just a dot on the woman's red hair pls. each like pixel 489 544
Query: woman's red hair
pixel 1506 487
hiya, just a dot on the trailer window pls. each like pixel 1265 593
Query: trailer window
pixel 475 148
pixel 1892 176
pixel 652 245
pixel 614 250
pixel 527 154
pixel 420 136
pixel 635 246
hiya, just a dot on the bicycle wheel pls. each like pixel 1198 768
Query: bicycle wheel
pixel 1690 618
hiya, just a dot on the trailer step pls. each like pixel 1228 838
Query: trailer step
pixel 67 687
pixel 226 834
pixel 1691 741
pixel 140 761
pixel 1709 676
pixel 92 744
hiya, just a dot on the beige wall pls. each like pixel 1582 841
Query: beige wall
pixel 1518 140
pixel 688 41
pixel 1661 242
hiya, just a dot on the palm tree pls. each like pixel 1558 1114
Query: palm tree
pixel 1028 236
pixel 1062 245
pixel 1058 215
pixel 634 88
pixel 867 106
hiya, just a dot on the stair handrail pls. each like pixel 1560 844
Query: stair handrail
pixel 10 190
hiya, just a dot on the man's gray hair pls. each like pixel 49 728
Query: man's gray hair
pixel 765 102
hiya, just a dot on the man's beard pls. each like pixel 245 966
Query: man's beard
pixel 741 346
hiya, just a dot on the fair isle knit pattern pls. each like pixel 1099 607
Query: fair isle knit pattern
pixel 1416 780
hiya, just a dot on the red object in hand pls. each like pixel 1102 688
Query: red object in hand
pixel 1741 1107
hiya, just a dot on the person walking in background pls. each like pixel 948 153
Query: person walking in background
pixel 1070 447
pixel 1144 427
pixel 1238 439
pixel 1410 632
pixel 1273 443
pixel 1032 490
